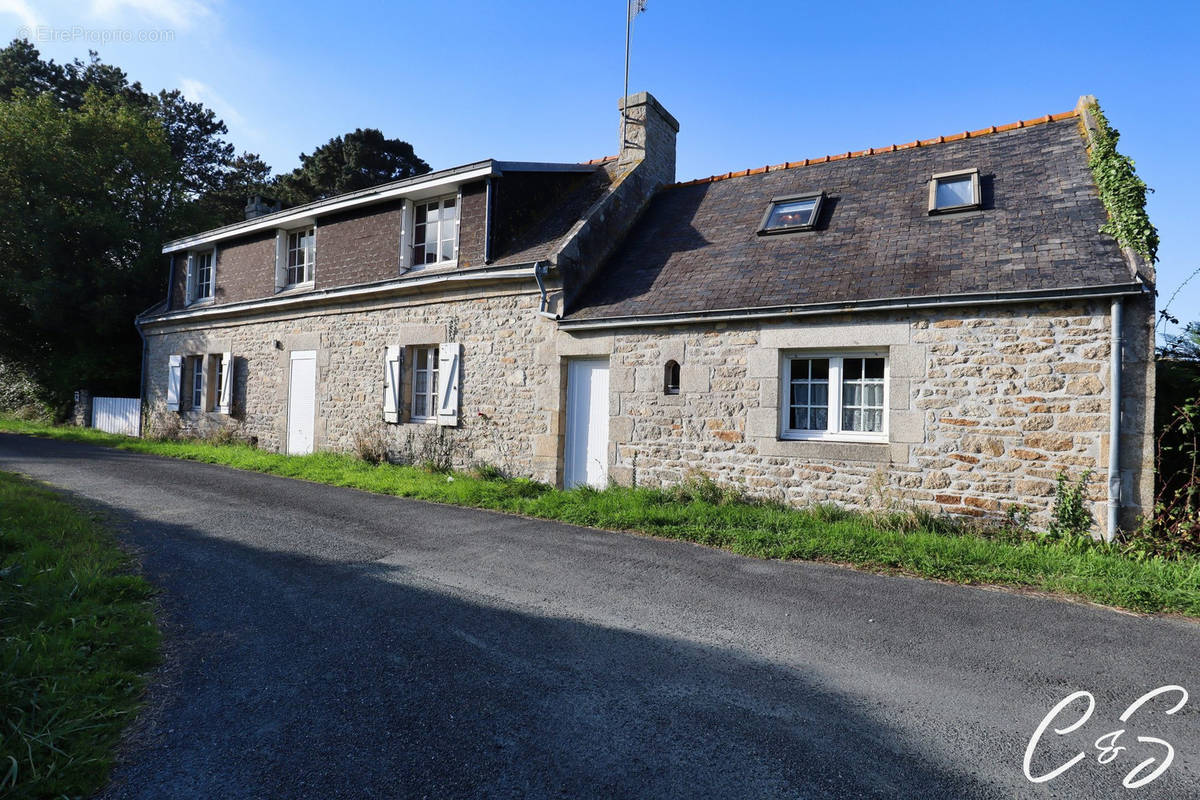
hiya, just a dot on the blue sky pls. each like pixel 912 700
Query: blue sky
pixel 751 83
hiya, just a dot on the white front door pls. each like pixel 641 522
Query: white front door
pixel 586 458
pixel 302 402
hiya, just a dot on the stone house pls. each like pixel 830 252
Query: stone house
pixel 937 323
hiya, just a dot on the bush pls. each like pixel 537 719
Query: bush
pixel 699 487
pixel 162 426
pixel 1070 517
pixel 430 448
pixel 20 395
pixel 1173 528
pixel 34 412
pixel 223 435
pixel 371 446
pixel 488 472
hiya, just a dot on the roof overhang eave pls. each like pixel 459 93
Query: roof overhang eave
pixel 858 306
pixel 412 284
pixel 309 211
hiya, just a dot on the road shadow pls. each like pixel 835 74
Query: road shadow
pixel 304 661
pixel 291 676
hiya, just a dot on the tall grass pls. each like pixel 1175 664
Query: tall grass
pixel 77 633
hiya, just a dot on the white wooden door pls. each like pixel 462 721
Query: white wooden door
pixel 586 457
pixel 302 402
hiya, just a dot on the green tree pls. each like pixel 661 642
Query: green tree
pixel 95 173
pixel 1184 346
pixel 208 169
pixel 357 160
pixel 225 202
pixel 82 203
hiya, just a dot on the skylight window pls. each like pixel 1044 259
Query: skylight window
pixel 794 213
pixel 954 191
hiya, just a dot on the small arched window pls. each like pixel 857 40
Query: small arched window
pixel 671 378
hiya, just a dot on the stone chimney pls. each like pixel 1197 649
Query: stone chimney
pixel 649 138
pixel 258 205
pixel 645 164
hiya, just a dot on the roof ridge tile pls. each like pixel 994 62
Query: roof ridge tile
pixel 871 151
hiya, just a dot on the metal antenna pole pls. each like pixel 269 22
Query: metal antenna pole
pixel 628 32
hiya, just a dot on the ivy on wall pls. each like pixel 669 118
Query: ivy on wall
pixel 1121 190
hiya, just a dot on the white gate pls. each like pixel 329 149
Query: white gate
pixel 116 414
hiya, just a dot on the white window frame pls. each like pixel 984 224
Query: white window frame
pixel 310 257
pixel 833 431
pixel 431 393
pixel 218 380
pixel 948 177
pixel 416 242
pixel 196 293
pixel 198 377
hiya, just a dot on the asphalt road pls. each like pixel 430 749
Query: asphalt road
pixel 327 643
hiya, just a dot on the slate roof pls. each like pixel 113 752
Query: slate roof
pixel 696 247
pixel 543 237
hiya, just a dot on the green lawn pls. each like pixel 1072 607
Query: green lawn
pixel 77 633
pixel 899 542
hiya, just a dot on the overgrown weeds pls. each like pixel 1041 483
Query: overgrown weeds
pixel 1173 529
pixel 371 445
pixel 1069 517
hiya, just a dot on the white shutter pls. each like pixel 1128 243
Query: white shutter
pixel 449 358
pixel 280 259
pixel 190 291
pixel 207 367
pixel 406 234
pixel 392 359
pixel 174 375
pixel 212 275
pixel 225 390
pixel 310 255
pixel 457 222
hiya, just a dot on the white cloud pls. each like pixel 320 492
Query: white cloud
pixel 21 9
pixel 200 92
pixel 180 13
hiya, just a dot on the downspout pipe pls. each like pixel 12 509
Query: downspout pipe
pixel 1114 421
pixel 487 223
pixel 137 323
pixel 540 270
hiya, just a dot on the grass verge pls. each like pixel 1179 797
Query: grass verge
pixel 77 632
pixel 918 545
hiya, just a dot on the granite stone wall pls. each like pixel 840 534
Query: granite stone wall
pixel 986 409
pixel 498 333
pixel 986 405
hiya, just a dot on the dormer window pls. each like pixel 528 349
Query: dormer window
pixel 792 213
pixel 200 275
pixel 954 191
pixel 435 231
pixel 301 254
pixel 295 258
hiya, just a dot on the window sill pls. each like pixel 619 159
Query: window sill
pixel 937 212
pixel 422 420
pixel 295 288
pixel 792 229
pixel 201 302
pixel 879 452
pixel 437 266
pixel 863 438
